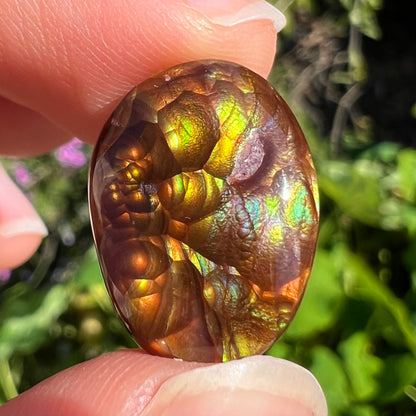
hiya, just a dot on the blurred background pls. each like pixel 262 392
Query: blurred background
pixel 348 70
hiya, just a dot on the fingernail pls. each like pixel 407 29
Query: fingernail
pixel 17 215
pixel 233 12
pixel 23 226
pixel 260 385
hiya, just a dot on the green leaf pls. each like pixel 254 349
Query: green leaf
pixel 406 168
pixel 90 279
pixel 355 188
pixel 89 272
pixel 24 333
pixel 322 301
pixel 281 349
pixel 362 367
pixel 327 368
pixel 362 283
pixel 362 410
pixel 363 15
pixel 386 152
pixel 399 373
pixel 383 324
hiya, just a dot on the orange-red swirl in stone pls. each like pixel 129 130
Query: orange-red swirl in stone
pixel 204 200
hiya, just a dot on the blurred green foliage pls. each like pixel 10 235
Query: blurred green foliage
pixel 355 329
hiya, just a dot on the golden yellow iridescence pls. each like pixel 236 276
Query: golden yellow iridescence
pixel 204 209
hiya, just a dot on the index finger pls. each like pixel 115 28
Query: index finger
pixel 69 63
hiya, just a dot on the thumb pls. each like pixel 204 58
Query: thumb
pixel 130 382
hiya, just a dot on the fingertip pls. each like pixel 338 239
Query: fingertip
pixel 100 52
pixel 251 25
pixel 130 382
pixel 18 249
pixel 21 228
pixel 117 383
pixel 260 385
pixel 232 12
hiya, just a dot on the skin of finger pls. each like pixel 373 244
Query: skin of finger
pixel 24 132
pixel 117 383
pixel 17 250
pixel 124 382
pixel 73 61
pixel 20 226
pixel 234 402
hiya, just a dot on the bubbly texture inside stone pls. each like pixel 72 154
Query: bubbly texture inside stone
pixel 203 200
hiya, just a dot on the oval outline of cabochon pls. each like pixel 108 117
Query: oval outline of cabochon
pixel 204 208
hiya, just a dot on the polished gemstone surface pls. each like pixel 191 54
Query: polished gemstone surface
pixel 204 208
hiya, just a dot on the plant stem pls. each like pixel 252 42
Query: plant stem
pixel 6 380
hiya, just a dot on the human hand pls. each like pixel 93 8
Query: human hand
pixel 130 382
pixel 65 65
pixel 63 68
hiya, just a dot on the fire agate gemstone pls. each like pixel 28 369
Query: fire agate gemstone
pixel 203 199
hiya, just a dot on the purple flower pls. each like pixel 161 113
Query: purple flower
pixel 21 174
pixel 70 155
pixel 5 275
